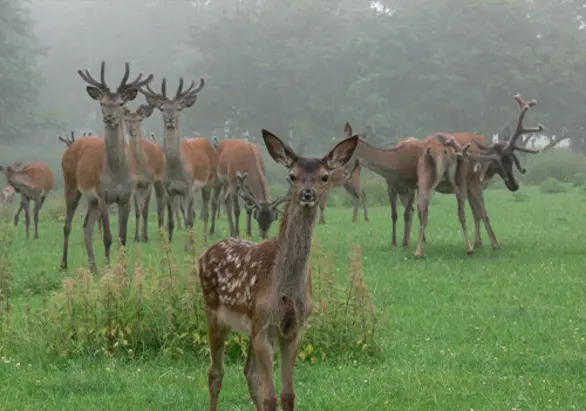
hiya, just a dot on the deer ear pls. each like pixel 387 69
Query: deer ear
pixel 505 134
pixel 146 110
pixel 341 153
pixel 129 94
pixel 347 130
pixel 94 92
pixel 279 151
pixel 189 101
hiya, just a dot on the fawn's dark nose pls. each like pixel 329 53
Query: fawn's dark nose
pixel 308 195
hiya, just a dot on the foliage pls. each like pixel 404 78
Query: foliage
pixel 552 186
pixel 578 179
pixel 559 164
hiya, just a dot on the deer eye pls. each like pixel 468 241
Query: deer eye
pixel 324 178
pixel 292 177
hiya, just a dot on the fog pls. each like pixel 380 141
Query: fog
pixel 301 69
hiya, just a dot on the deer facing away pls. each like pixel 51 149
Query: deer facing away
pixel 264 289
pixel 34 182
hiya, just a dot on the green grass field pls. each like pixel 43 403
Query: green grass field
pixel 502 330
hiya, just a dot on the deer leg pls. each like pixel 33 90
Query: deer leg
pixel 252 378
pixel 425 194
pixel 229 212
pixel 394 215
pixel 216 337
pixel 37 208
pixel 356 197
pixel 27 216
pixel 364 204
pixel 20 208
pixel 323 202
pixel 263 353
pixel 170 215
pixel 206 193
pixel 123 214
pixel 461 199
pixel 248 220
pixel 160 197
pixel 93 213
pixel 236 207
pixel 478 199
pixel 407 202
pixel 137 215
pixel 189 220
pixel 215 207
pixel 145 216
pixel 71 202
pixel 104 220
pixel 477 218
pixel 289 351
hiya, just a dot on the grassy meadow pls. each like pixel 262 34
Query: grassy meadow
pixel 502 330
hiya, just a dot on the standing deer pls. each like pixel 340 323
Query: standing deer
pixel 240 163
pixel 34 182
pixel 398 166
pixel 473 169
pixel 102 169
pixel 150 166
pixel 190 164
pixel 8 197
pixel 178 203
pixel 264 289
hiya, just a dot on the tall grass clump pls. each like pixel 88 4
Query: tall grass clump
pixel 138 311
pixel 561 164
pixel 552 186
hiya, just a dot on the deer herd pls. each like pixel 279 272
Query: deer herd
pixel 261 289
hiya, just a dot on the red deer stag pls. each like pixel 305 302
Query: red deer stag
pixel 264 289
pixel 190 164
pixel 102 169
pixel 470 174
pixel 398 166
pixel 178 203
pixel 150 166
pixel 238 158
pixel 34 182
pixel 8 197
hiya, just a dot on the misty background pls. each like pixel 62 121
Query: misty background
pixel 300 69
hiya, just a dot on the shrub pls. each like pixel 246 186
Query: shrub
pixel 162 312
pixel 552 186
pixel 520 197
pixel 578 180
pixel 560 164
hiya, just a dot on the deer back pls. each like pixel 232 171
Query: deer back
pixel 243 157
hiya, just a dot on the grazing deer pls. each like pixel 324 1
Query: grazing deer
pixel 34 182
pixel 476 165
pixel 398 166
pixel 8 197
pixel 264 212
pixel 190 164
pixel 102 169
pixel 264 289
pixel 150 166
pixel 241 163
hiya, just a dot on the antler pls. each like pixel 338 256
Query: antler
pixel 180 94
pixel 68 141
pixel 137 83
pixel 521 129
pixel 153 137
pixel 243 189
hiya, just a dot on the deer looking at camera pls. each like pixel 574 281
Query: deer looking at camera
pixel 34 182
pixel 150 166
pixel 240 164
pixel 102 169
pixel 477 162
pixel 264 289
pixel 8 197
pixel 190 164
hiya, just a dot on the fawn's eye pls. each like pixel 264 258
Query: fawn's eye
pixel 292 177
pixel 324 178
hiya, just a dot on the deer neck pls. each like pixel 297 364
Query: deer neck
pixel 116 157
pixel 382 162
pixel 137 148
pixel 172 145
pixel 293 250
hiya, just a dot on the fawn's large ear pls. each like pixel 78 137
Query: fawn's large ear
pixel 145 110
pixel 341 153
pixel 347 130
pixel 279 151
pixel 94 92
